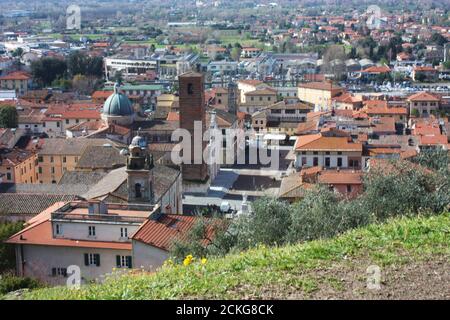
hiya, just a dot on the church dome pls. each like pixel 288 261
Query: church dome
pixel 138 141
pixel 117 104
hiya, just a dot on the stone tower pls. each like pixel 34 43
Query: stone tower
pixel 139 171
pixel 192 109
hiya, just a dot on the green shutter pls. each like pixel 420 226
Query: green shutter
pixel 86 259
pixel 118 261
pixel 129 262
pixel 54 272
pixel 97 259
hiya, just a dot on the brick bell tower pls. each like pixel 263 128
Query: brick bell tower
pixel 192 109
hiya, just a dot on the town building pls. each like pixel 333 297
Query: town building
pixel 320 94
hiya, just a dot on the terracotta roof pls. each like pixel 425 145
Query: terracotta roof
pixel 340 177
pixel 423 96
pixel 162 232
pixel 101 94
pixel 173 116
pixel 39 232
pixel 18 75
pixel 318 142
pixel 377 69
pixel 371 111
pixel 320 86
pixel 433 140
pixel 419 68
pixel 347 98
pixel 261 92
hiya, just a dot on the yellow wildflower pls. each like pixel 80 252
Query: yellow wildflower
pixel 204 260
pixel 188 260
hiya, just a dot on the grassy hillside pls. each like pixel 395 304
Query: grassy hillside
pixel 413 254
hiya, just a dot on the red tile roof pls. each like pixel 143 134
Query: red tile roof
pixel 328 86
pixel 318 142
pixel 423 96
pixel 39 232
pixel 377 69
pixel 18 75
pixel 173 116
pixel 162 232
pixel 101 94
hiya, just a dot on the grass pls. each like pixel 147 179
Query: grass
pixel 294 267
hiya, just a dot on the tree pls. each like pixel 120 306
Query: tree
pixel 17 53
pixel 7 253
pixel 76 63
pixel 236 53
pixel 8 117
pixel 415 113
pixel 46 70
pixel 81 84
pixel 267 225
pixel 334 60
pixel 81 64
pixel 438 39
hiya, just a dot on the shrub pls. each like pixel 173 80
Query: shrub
pixel 9 283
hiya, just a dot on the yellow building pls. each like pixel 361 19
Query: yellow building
pixel 258 99
pixel 320 94
pixel 18 166
pixel 57 156
pixel 19 81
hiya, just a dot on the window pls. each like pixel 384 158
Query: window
pixel 64 159
pixel 92 259
pixel 137 190
pixel 304 159
pixel 91 231
pixel 190 88
pixel 349 188
pixel 58 124
pixel 327 162
pixel 67 121
pixel 315 161
pixel 40 159
pixel 53 170
pixel 8 176
pixel 124 261
pixel 52 159
pixel 58 229
pixel 124 232
pixel 59 272
pixel 339 162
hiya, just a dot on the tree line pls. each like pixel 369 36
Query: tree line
pixel 78 70
pixel 399 188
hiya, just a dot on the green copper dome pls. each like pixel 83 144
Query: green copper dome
pixel 117 104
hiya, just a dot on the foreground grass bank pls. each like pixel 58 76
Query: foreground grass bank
pixel 403 249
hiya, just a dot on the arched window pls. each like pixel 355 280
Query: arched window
pixel 137 190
